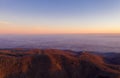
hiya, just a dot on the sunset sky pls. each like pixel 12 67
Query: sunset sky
pixel 59 16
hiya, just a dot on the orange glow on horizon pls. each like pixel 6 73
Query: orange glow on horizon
pixel 9 28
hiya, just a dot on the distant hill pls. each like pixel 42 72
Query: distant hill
pixel 53 63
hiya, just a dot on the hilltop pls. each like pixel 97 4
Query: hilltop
pixel 53 63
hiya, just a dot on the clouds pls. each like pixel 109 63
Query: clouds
pixel 4 23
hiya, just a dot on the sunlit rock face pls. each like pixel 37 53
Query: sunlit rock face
pixel 52 63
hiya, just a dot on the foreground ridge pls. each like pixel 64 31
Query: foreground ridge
pixel 53 63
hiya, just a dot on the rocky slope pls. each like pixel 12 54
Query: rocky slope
pixel 52 63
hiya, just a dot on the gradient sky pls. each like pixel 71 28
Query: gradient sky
pixel 59 16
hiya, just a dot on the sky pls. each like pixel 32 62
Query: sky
pixel 59 16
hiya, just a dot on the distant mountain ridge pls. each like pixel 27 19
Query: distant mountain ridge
pixel 54 63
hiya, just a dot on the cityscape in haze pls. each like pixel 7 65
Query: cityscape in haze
pixel 59 38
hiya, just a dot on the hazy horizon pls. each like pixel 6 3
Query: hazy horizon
pixel 78 42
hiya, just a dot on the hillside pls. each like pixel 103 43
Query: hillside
pixel 53 63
